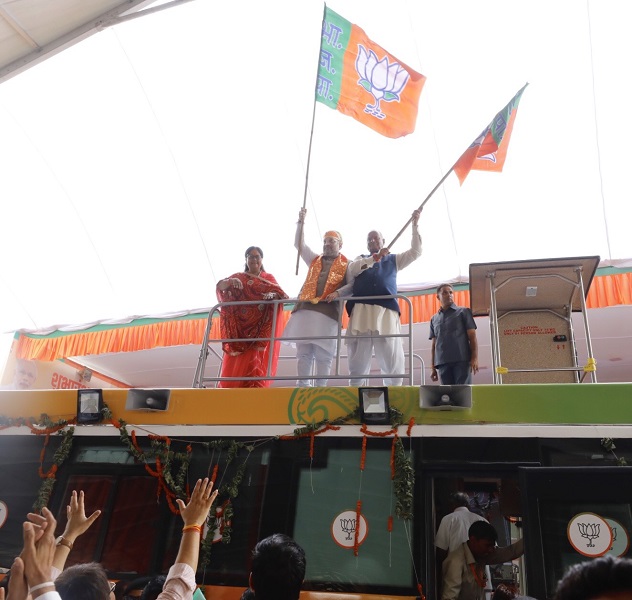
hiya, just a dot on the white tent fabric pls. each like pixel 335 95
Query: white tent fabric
pixel 141 162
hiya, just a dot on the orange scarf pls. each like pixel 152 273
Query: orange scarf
pixel 334 278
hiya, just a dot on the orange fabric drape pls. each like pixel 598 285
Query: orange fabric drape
pixel 605 290
pixel 121 339
pixel 610 290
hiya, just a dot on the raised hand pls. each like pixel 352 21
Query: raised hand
pixel 416 214
pixel 78 523
pixel 18 588
pixel 196 511
pixel 39 552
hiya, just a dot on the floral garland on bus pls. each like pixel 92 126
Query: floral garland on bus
pixel 171 467
pixel 44 426
pixel 402 472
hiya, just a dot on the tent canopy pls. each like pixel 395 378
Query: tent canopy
pixel 33 30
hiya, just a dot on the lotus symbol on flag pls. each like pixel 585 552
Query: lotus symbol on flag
pixel 490 157
pixel 383 80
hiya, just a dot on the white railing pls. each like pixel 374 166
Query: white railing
pixel 213 346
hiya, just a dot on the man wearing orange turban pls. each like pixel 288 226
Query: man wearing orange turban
pixel 316 314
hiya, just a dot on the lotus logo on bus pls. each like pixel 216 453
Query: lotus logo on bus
pixel 590 531
pixel 383 80
pixel 348 526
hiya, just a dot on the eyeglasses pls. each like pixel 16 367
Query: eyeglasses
pixel 112 586
pixel 254 256
pixel 374 239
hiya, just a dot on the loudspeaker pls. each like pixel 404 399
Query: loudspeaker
pixel 147 400
pixel 445 397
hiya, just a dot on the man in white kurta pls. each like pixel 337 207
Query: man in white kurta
pixel 454 527
pixel 317 313
pixel 375 274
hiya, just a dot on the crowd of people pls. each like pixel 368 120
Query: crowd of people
pixel 368 283
pixel 278 564
pixel 38 573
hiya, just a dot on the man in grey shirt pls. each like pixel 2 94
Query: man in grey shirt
pixel 454 347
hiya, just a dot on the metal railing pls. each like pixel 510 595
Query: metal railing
pixel 213 346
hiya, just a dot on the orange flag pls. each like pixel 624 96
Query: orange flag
pixel 489 150
pixel 362 80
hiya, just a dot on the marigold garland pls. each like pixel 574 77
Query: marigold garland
pixel 176 485
pixel 356 541
pixel 421 591
pixel 46 427
pixel 402 472
pixel 171 486
pixel 310 431
pixel 363 454
pixel 392 459
pixel 60 455
pixel 229 490
pixel 322 426
pixel 364 429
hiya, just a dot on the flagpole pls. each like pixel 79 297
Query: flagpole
pixel 309 157
pixel 421 206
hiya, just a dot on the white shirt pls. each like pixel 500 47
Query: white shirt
pixel 454 527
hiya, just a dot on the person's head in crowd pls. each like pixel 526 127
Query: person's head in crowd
pixel 482 539
pixel 153 588
pixel 254 260
pixel 458 499
pixel 605 578
pixel 278 568
pixel 131 590
pixel 24 375
pixel 87 581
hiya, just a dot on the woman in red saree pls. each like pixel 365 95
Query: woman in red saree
pixel 249 359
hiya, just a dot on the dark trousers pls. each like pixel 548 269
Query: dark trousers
pixel 455 373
